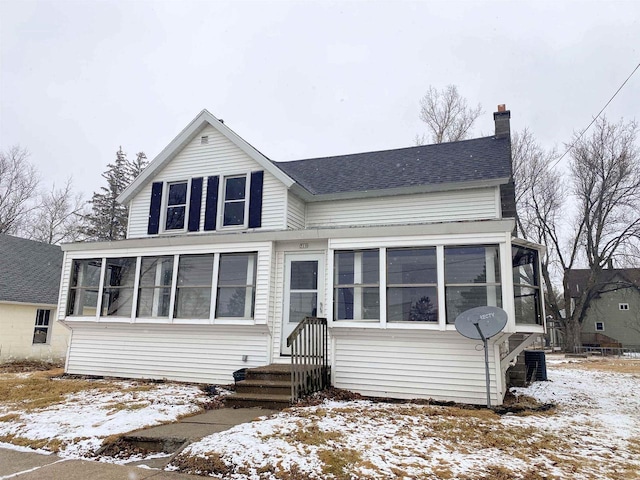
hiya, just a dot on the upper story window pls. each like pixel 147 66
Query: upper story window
pixel 234 201
pixel 623 306
pixel 176 205
pixel 412 285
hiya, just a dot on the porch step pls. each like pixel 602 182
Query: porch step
pixel 275 372
pixel 267 387
pixel 247 400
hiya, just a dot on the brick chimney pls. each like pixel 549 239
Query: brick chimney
pixel 503 124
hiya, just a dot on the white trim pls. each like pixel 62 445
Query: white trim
pixel 441 288
pixel 222 190
pixel 136 285
pixel 498 203
pixel 214 287
pixel 382 281
pixel 165 206
pixel 483 231
pixel 174 284
pixel 203 119
pixel 430 188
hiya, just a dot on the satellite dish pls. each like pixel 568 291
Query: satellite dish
pixel 481 322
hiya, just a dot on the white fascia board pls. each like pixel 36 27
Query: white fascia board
pixel 28 304
pixel 203 119
pixel 478 227
pixel 442 187
pixel 526 243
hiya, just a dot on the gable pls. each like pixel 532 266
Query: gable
pixel 205 166
pixel 190 132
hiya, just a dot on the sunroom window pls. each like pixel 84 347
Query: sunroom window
pixel 236 285
pixel 472 278
pixel 154 291
pixel 84 286
pixel 193 289
pixel 526 285
pixel 412 285
pixel 117 293
pixel 235 193
pixel 356 285
pixel 176 205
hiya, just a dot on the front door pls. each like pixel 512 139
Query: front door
pixel 303 292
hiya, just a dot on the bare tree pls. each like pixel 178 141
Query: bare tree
pixel 18 188
pixel 605 190
pixel 447 114
pixel 539 198
pixel 59 217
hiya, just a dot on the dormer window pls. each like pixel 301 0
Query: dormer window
pixel 176 205
pixel 235 194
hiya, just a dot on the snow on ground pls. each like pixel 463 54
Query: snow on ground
pixel 78 425
pixel 593 433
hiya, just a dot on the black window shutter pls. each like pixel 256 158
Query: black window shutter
pixel 255 200
pixel 211 206
pixel 154 208
pixel 195 204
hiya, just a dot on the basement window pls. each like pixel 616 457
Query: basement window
pixel 599 326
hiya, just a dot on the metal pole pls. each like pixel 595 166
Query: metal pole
pixel 486 363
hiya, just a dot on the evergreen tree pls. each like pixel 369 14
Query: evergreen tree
pixel 108 220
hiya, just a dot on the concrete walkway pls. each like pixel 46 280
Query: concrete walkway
pixel 25 465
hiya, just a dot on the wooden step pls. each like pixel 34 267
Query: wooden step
pixel 246 400
pixel 267 387
pixel 275 372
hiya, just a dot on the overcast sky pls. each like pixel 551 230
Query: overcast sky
pixel 298 79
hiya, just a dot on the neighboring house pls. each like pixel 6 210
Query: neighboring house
pixel 227 251
pixel 613 318
pixel 29 289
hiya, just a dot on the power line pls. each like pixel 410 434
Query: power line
pixel 595 118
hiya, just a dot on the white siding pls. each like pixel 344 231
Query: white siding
pixel 188 353
pixel 413 364
pixel 473 204
pixel 219 157
pixel 295 212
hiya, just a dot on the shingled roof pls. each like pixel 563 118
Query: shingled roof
pixel 479 159
pixel 29 271
pixel 579 277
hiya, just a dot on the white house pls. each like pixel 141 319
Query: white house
pixel 228 250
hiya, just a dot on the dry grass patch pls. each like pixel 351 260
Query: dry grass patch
pixel 30 366
pixel 615 365
pixel 53 444
pixel 9 417
pixel 42 389
pixel 336 462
